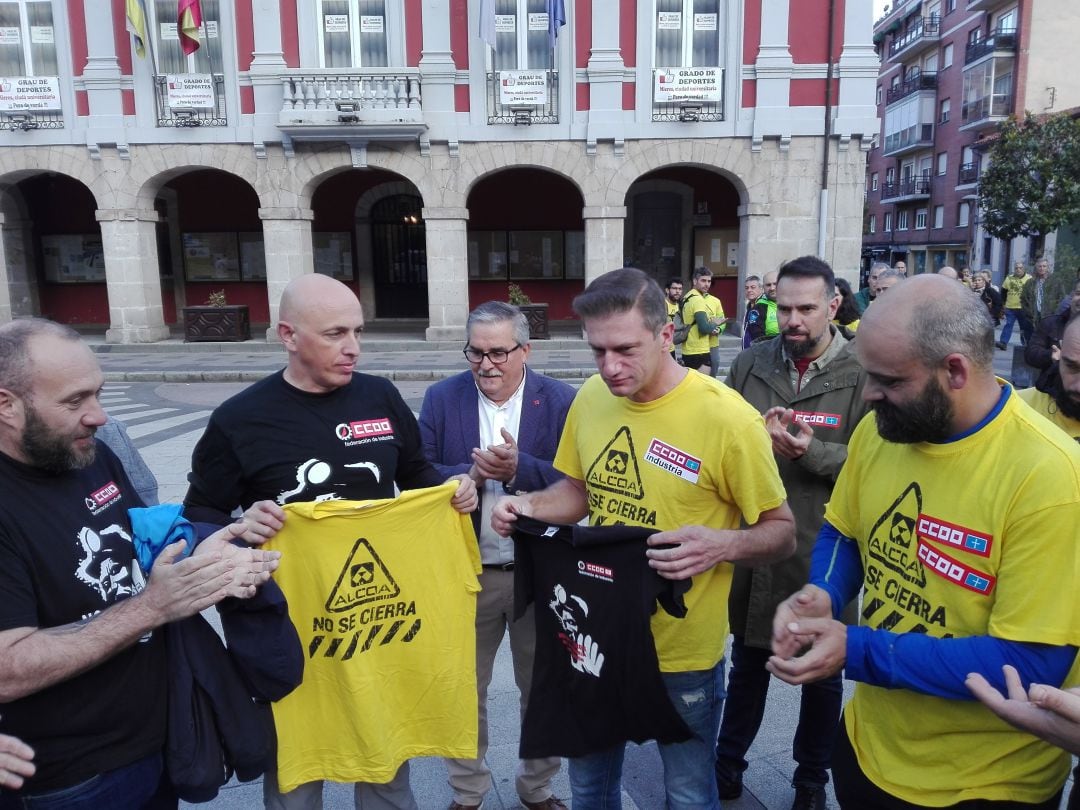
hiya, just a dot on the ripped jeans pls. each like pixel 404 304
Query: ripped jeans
pixel 689 781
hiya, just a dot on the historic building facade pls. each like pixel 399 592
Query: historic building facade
pixel 387 143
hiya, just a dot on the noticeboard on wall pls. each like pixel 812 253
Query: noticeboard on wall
pixel 252 256
pixel 333 254
pixel 211 256
pixel 73 258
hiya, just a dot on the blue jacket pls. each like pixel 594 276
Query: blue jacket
pixel 450 428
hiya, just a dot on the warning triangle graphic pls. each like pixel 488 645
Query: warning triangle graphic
pixel 364 579
pixel 616 468
pixel 892 540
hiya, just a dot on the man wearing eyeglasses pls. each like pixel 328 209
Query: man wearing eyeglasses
pixel 500 423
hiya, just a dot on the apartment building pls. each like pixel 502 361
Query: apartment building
pixel 951 72
pixel 425 152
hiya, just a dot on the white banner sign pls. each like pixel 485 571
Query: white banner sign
pixel 371 24
pixel 688 84
pixel 538 22
pixel 168 31
pixel 505 23
pixel 42 35
pixel 704 22
pixel 210 26
pixel 29 94
pixel 336 23
pixel 523 88
pixel 190 91
pixel 10 36
pixel 669 20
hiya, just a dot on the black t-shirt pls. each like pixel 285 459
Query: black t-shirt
pixel 596 679
pixel 65 555
pixel 273 441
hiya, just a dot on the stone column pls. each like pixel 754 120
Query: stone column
pixel 18 288
pixel 101 76
pixel 267 61
pixel 448 272
pixel 773 68
pixel 438 70
pixel 287 242
pixel 604 249
pixel 132 275
pixel 605 71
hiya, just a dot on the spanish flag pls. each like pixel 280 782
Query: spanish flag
pixel 188 22
pixel 136 25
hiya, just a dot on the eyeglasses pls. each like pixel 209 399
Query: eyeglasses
pixel 496 356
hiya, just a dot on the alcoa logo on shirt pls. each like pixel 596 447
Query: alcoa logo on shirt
pixel 100 499
pixel 366 429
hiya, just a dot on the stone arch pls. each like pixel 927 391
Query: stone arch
pixel 722 158
pixel 563 159
pixel 307 171
pixel 148 185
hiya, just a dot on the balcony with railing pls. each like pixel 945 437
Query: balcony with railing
pixel 968 174
pixel 190 100
pixel 1001 40
pixel 908 189
pixel 31 102
pixel 985 5
pixel 354 107
pixel 922 33
pixel 523 97
pixel 988 109
pixel 917 83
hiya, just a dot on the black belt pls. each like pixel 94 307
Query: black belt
pixel 508 566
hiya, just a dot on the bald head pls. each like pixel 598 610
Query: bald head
pixel 949 272
pixel 312 291
pixel 932 317
pixel 769 282
pixel 320 323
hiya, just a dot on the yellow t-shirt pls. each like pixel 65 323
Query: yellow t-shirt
pixel 697 343
pixel 699 455
pixel 383 595
pixel 1044 405
pixel 672 308
pixel 997 556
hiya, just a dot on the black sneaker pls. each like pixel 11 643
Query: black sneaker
pixel 729 787
pixel 1000 345
pixel 809 797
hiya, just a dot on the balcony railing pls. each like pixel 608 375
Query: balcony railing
pixel 921 81
pixel 969 173
pixel 523 97
pixel 26 121
pixel 925 28
pixel 1002 39
pixel 910 138
pixel 171 114
pixel 908 187
pixel 371 97
pixel 996 105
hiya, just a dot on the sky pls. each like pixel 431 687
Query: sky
pixel 879 8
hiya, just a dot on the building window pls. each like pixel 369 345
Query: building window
pixel 887 225
pixel 943 111
pixel 353 33
pixel 890 176
pixel 28 39
pixel 687 32
pixel 902 220
pixel 947 56
pixel 988 89
pixel 942 163
pixel 873 224
pixel 874 181
pixel 521 255
pixel 920 219
pixel 963 212
pixel 878 101
pixel 170 57
pixel 950 6
pixel 939 216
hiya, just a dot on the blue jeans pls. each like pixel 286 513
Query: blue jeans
pixel 698 697
pixel 132 787
pixel 748 686
pixel 1016 316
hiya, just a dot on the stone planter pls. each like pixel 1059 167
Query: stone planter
pixel 228 323
pixel 537 316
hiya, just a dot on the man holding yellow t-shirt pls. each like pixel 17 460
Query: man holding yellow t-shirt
pixel 950 585
pixel 704 310
pixel 626 426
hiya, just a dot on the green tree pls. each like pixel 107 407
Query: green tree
pixel 1032 183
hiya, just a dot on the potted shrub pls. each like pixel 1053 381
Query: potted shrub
pixel 216 320
pixel 535 314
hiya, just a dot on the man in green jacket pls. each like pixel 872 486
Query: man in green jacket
pixel 808 385
pixel 1035 301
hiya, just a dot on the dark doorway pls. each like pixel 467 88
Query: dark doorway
pixel 657 237
pixel 399 251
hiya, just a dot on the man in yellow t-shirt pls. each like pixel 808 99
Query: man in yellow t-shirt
pixel 1011 288
pixel 950 585
pixel 704 310
pixel 647 443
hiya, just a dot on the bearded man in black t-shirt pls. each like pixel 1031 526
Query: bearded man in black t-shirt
pixel 82 663
pixel 312 432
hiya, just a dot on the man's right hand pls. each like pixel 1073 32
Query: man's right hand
pixel 505 513
pixel 16 762
pixel 811 602
pixel 181 588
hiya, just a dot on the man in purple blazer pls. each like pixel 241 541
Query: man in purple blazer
pixel 499 422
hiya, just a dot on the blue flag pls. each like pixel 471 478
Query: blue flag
pixel 556 12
